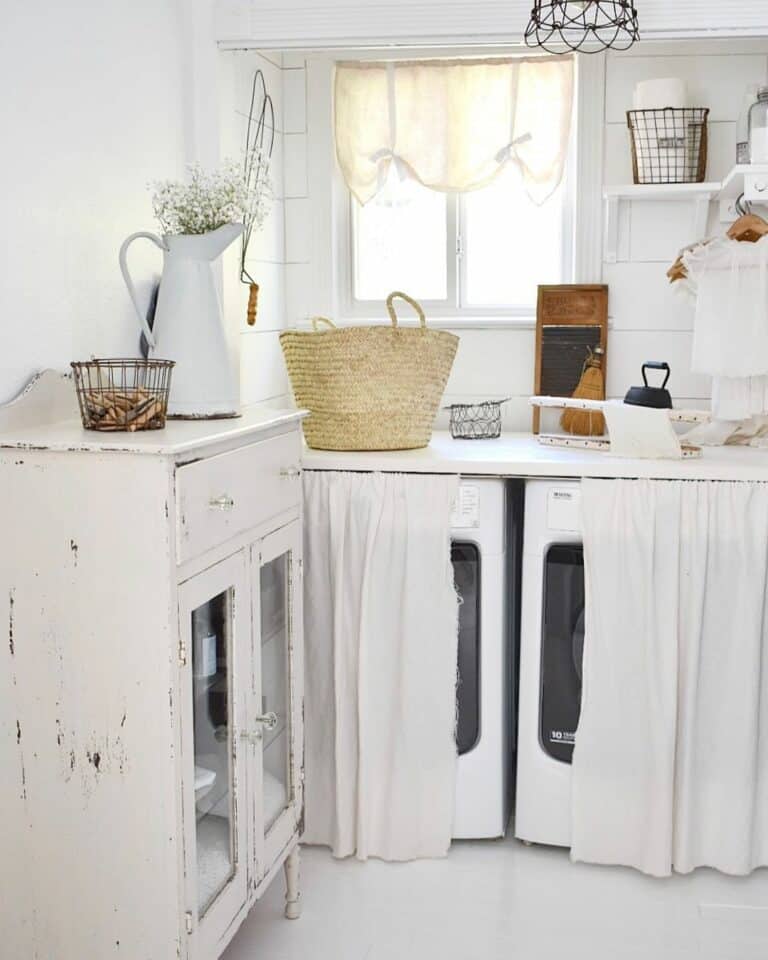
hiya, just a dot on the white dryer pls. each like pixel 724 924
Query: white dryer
pixel 551 646
pixel 486 546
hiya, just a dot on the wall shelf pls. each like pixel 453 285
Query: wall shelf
pixel 751 179
pixel 662 191
pixel 700 195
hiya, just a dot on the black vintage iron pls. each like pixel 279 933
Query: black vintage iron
pixel 645 396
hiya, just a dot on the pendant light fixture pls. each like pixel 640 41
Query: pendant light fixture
pixel 582 25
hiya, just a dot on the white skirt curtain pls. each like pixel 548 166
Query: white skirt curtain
pixel 381 628
pixel 670 768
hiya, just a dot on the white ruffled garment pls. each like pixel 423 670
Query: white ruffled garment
pixel 729 280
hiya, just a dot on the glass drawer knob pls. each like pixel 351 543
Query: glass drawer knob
pixel 290 473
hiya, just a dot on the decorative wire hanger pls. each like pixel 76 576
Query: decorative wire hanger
pixel 259 143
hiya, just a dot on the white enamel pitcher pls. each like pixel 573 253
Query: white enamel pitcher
pixel 189 325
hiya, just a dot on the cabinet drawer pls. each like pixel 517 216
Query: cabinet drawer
pixel 222 496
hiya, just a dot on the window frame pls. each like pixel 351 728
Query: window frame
pixel 454 305
pixel 583 223
pixel 353 307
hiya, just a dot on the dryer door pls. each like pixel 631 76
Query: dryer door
pixel 466 572
pixel 562 645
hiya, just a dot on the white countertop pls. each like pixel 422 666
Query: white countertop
pixel 521 455
pixel 178 436
pixel 45 416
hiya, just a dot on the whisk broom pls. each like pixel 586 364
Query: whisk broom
pixel 591 386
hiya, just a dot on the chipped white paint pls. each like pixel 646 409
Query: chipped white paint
pixel 45 417
pixel 217 496
pixel 96 781
pixel 292 895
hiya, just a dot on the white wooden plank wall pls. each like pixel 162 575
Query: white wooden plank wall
pixel 271 255
pixel 649 320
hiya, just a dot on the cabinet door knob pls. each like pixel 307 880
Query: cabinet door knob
pixel 268 720
pixel 290 473
pixel 224 502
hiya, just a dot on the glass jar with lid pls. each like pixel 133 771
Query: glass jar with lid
pixel 742 124
pixel 758 128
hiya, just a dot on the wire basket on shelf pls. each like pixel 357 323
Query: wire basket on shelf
pixel 669 145
pixel 120 394
pixel 476 421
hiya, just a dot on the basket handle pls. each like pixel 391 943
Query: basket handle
pixel 414 303
pixel 318 320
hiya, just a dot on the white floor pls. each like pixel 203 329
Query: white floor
pixel 500 899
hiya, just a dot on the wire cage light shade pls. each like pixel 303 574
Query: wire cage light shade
pixel 587 26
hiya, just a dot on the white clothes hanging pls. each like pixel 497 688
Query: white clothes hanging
pixel 381 634
pixel 670 767
pixel 739 398
pixel 453 125
pixel 729 279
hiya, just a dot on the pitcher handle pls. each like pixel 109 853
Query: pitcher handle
pixel 158 242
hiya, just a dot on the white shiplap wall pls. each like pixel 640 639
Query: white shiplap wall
pixel 262 372
pixel 95 105
pixel 649 320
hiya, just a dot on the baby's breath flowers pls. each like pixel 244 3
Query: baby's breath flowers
pixel 208 200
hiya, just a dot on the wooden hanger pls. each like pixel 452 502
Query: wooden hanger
pixel 677 271
pixel 749 229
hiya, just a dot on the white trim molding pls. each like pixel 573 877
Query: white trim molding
pixel 589 109
pixel 334 24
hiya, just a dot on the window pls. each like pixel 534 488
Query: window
pixel 402 241
pixel 474 254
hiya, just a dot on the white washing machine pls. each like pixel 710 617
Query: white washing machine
pixel 551 646
pixel 486 540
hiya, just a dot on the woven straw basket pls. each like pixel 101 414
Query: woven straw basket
pixel 369 388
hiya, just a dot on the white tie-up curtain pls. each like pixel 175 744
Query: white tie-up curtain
pixel 453 125
pixel 670 767
pixel 381 634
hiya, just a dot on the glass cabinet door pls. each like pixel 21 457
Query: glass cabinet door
pixel 215 629
pixel 275 692
pixel 279 593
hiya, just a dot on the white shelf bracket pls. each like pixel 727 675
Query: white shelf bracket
pixel 612 230
pixel 701 216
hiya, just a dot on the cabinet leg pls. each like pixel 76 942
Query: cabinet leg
pixel 292 895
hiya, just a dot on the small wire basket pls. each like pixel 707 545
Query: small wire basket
pixel 123 394
pixel 669 145
pixel 476 421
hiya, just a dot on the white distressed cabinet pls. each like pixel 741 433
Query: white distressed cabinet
pixel 151 680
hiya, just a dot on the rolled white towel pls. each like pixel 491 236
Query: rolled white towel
pixel 660 93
